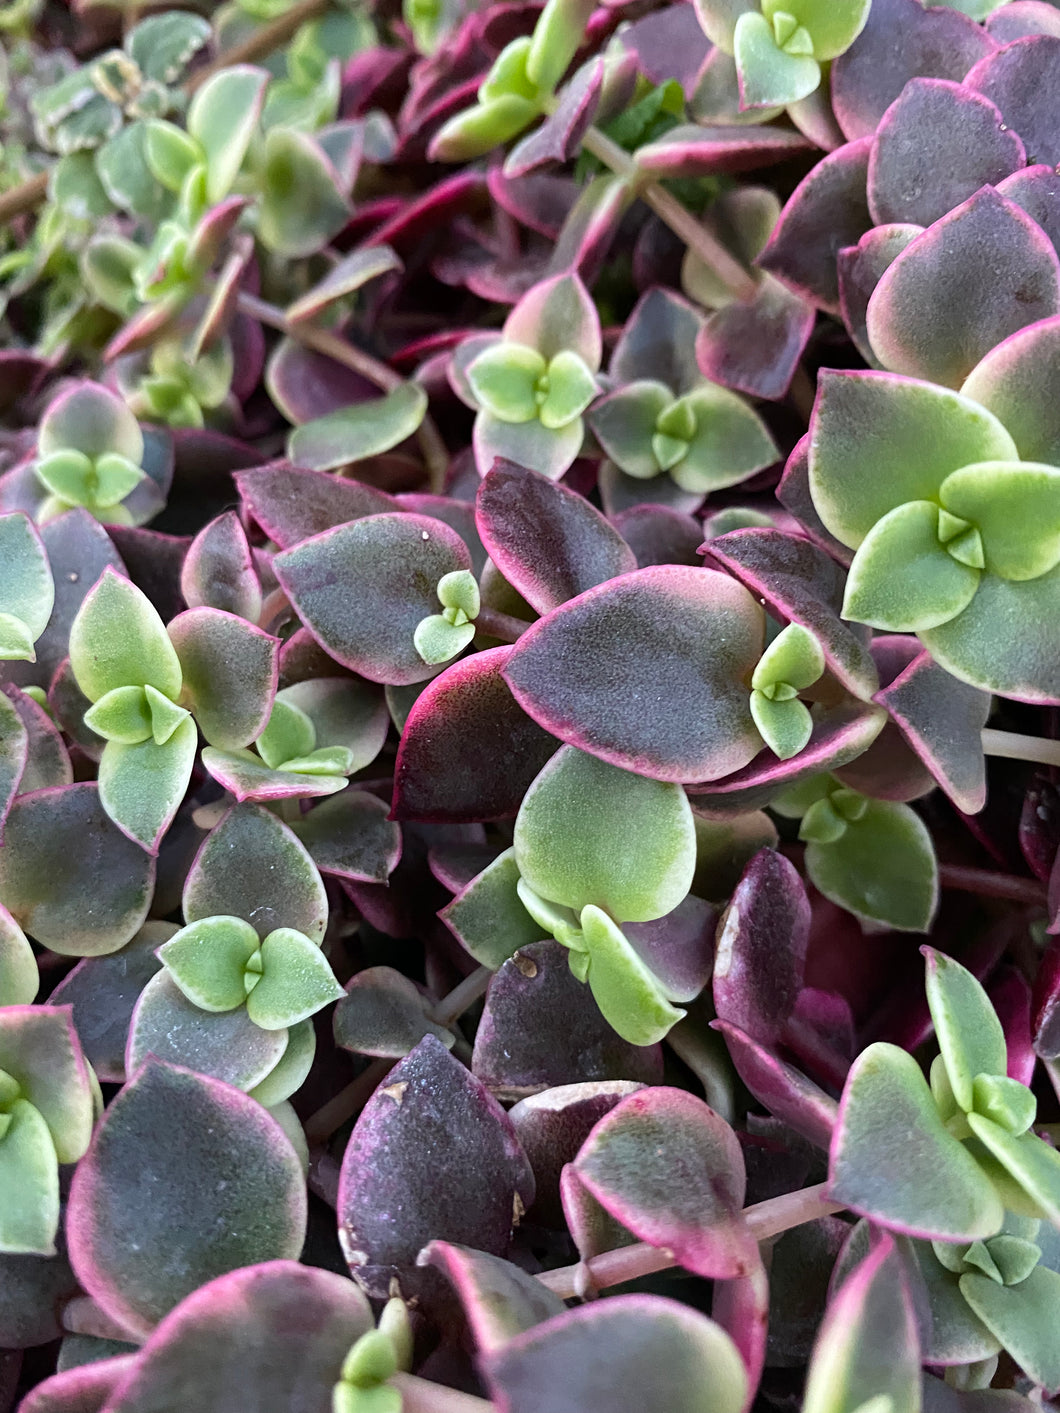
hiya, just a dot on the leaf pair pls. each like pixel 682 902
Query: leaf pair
pixel 90 453
pixel 219 963
pixel 128 665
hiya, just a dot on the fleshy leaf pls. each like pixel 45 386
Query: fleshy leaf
pixel 488 917
pixel 670 1170
pixel 882 868
pixel 1030 1162
pixel 141 786
pixel 222 118
pixel 296 981
pixel 118 640
pixel 927 1185
pixel 590 833
pixel 363 587
pixel 966 1025
pixel 301 205
pixel 903 577
pixel 29 1173
pixel 207 959
pixel 363 430
pixel 631 997
pixel 878 442
pixel 384 1013
pixel 19 977
pixel 229 669
pixel 167 1141
pixel 1016 508
pixel 1022 1317
pixel 769 76
pixel 664 636
pixel 504 379
pixel 867 1351
pixel 592 1359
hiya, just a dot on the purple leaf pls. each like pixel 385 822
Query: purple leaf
pixel 632 1351
pixel 861 267
pixel 47 759
pixel 305 384
pixel 942 720
pixel 827 211
pixel 678 947
pixel 800 584
pixel 59 848
pixel 936 145
pixel 271 1337
pixel 468 750
pixel 84 1388
pixel 153 561
pixel 793 492
pixel 541 1028
pixel 166 1146
pixel 754 347
pixel 741 1307
pixel 671 1171
pixel 900 41
pixel 391 1202
pixel 668 43
pixel 103 992
pixel 548 542
pixel 780 1087
pixel 840 735
pixel 351 837
pixel 658 535
pixel 974 277
pixel 1017 78
pixel 610 670
pixel 690 151
pixel 384 1013
pixel 559 137
pixel 499 1300
pixel 761 957
pixel 1022 19
pixel 362 588
pixel 33 1290
pixel 552 1126
pixel 292 505
pixel 1036 190
pixel 219 570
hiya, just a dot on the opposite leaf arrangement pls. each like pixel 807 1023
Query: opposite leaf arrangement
pixel 529 585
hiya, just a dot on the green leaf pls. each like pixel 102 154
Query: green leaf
pixel 354 433
pixel 27 593
pixel 108 265
pixel 508 74
pixel 832 24
pixel 289 733
pixel 1023 1317
pixel 785 726
pixel 171 154
pixel 561 923
pixel 571 388
pixel 530 444
pixel 222 118
pixel 557 37
pixel 326 762
pixel 625 423
pixel 488 917
pixel 142 786
pixel 301 206
pixel 1016 508
pixel 883 868
pixel 437 640
pixel 589 832
pixel 163 45
pixel 902 578
pixel 207 959
pixel 793 657
pixel 1006 1102
pixel 118 640
pixel 1033 1165
pixel 93 420
pixel 769 76
pixel 29 1180
pixel 296 981
pixel 969 1033
pixel 893 1160
pixel 504 379
pixel 121 715
pixel 74 185
pixel 480 129
pixel 730 441
pixel 291 1070
pixel 459 590
pixel 19 977
pixel 631 998
pixel 166 716
pixel 879 441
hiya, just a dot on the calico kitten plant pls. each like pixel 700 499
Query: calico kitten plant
pixel 529 537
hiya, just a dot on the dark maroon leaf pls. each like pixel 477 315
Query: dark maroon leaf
pixel 548 542
pixel 658 535
pixel 1018 78
pixel 541 1028
pixel 678 947
pixel 391 1202
pixel 780 1087
pixel 754 346
pixel 793 492
pixel 468 750
pixel 292 505
pixel 499 1299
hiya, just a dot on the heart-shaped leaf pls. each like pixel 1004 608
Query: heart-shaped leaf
pixel 222 118
pixel 882 868
pixel 384 1013
pixel 118 640
pixel 1022 1318
pixel 141 787
pixel 590 833
pixel 167 1142
pixel 296 981
pixel 1016 508
pixel 631 997
pixel 207 960
pixel 928 1185
pixel 362 588
pixel 769 76
pixel 668 634
pixel 229 668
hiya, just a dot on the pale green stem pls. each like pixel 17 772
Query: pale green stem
pixel 1011 746
pixel 453 1006
pixel 765 1219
